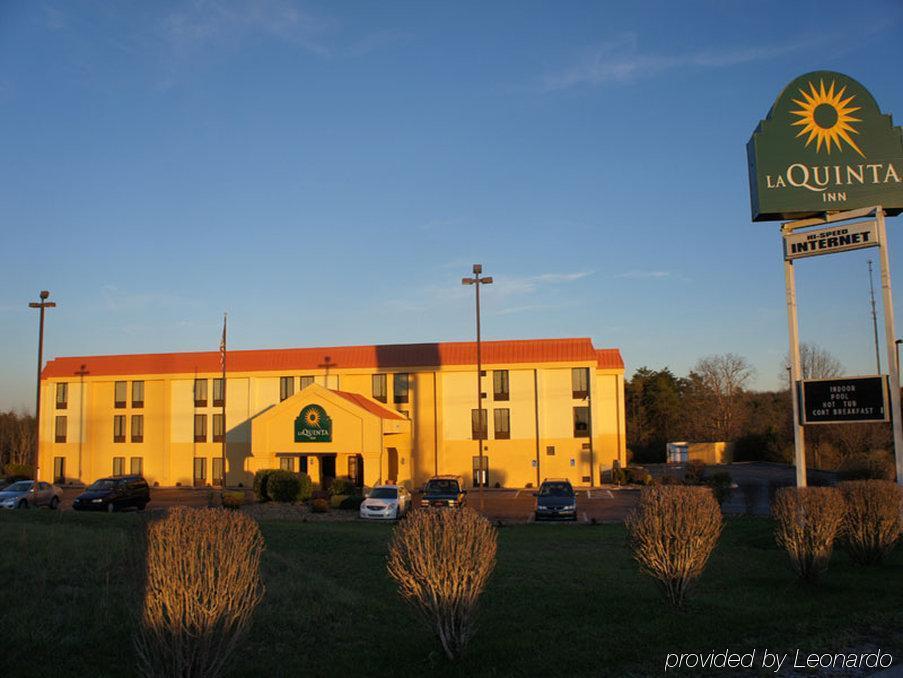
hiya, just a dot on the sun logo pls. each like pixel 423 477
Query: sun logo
pixel 312 418
pixel 825 117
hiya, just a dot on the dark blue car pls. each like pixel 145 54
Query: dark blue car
pixel 556 501
pixel 114 494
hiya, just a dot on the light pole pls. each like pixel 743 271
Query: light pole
pixel 42 305
pixel 476 281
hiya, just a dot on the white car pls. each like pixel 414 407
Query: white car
pixel 386 502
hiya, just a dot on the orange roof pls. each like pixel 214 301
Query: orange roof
pixel 609 359
pixel 369 405
pixel 389 357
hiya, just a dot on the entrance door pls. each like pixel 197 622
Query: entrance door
pixel 302 464
pixel 327 471
pixel 392 471
pixel 479 477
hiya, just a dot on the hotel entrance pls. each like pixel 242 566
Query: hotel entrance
pixel 327 470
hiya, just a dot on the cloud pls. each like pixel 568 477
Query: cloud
pixel 639 274
pixel 54 19
pixel 116 299
pixel 621 60
pixel 507 287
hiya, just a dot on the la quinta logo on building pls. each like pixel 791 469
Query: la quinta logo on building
pixel 825 146
pixel 313 425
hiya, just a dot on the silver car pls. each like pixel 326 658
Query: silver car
pixel 20 495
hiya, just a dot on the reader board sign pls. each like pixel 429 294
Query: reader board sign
pixel 831 239
pixel 844 401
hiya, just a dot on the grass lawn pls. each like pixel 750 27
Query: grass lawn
pixel 564 599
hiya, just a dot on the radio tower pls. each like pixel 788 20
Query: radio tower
pixel 874 319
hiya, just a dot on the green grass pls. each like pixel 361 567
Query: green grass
pixel 563 600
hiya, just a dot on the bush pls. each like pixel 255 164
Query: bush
pixel 720 483
pixel 319 506
pixel 203 584
pixel 441 561
pixel 343 486
pixel 637 475
pixel 260 483
pixel 25 471
pixel 808 519
pixel 335 501
pixel 352 503
pixel 283 486
pixel 233 500
pixel 305 487
pixel 875 465
pixel 673 532
pixel 874 519
pixel 695 472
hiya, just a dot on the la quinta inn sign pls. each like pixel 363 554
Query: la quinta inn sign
pixel 824 146
pixel 313 425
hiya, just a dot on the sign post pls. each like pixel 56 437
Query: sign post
pixel 799 436
pixel 890 339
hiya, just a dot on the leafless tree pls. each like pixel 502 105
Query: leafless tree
pixel 815 363
pixel 17 430
pixel 716 396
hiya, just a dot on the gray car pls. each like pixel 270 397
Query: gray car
pixel 20 495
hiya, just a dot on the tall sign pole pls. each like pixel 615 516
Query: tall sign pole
pixel 42 305
pixel 799 437
pixel 890 340
pixel 222 349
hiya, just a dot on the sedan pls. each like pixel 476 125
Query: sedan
pixel 556 499
pixel 20 495
pixel 386 502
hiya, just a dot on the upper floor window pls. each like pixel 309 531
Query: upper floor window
pixel 379 387
pixel 119 428
pixel 306 381
pixel 581 422
pixel 200 428
pixel 401 386
pixel 137 428
pixel 62 396
pixel 502 423
pixel 500 384
pixel 120 392
pixel 60 429
pixel 478 427
pixel 218 428
pixel 137 394
pixel 580 382
pixel 200 393
pixel 219 393
pixel 286 387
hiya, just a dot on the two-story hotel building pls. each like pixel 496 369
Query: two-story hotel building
pixel 551 408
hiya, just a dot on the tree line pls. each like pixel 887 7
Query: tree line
pixel 715 403
pixel 17 436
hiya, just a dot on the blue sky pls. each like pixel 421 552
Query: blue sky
pixel 327 172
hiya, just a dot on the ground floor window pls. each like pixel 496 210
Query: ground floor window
pixel 478 476
pixel 217 471
pixel 118 466
pixel 137 466
pixel 200 471
pixel 356 469
pixel 287 463
pixel 59 469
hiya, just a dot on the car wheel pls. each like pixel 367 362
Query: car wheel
pixel 110 507
pixel 54 503
pixel 23 504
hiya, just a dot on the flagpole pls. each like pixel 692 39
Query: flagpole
pixel 223 364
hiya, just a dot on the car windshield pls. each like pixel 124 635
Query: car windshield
pixel 103 484
pixel 556 490
pixel 21 486
pixel 442 487
pixel 384 493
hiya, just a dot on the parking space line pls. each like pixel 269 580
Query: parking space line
pixel 517 494
pixel 585 519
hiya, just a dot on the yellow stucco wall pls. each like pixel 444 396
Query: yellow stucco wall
pixel 436 435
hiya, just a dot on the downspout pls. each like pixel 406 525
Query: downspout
pixel 435 426
pixel 589 401
pixel 536 418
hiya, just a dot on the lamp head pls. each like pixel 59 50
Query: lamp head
pixel 44 294
pixel 477 269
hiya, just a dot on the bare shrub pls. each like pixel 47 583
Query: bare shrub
pixel 874 519
pixel 673 532
pixel 442 560
pixel 203 584
pixel 808 520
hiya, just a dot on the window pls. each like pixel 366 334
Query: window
pixel 119 428
pixel 401 384
pixel 305 382
pixel 118 466
pixel 59 470
pixel 218 428
pixel 137 428
pixel 137 394
pixel 287 463
pixel 60 429
pixel 200 471
pixel 354 469
pixel 476 478
pixel 136 466
pixel 217 465
pixel 286 387
pixel 502 424
pixel 219 393
pixel 478 424
pixel 200 428
pixel 200 393
pixel 62 395
pixel 581 422
pixel 500 384
pixel 119 393
pixel 379 387
pixel 580 382
pixel 550 450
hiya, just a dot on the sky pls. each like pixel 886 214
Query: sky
pixel 327 173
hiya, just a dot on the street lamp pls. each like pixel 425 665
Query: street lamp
pixel 42 305
pixel 477 281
